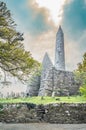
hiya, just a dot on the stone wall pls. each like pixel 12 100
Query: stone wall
pixel 65 83
pixel 53 113
pixel 60 83
pixel 53 82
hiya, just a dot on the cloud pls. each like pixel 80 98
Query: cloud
pixel 72 54
pixel 39 45
pixel 39 19
pixel 74 18
pixel 41 10
pixel 30 17
pixel 55 8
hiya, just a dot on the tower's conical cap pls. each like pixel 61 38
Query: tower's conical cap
pixel 60 30
pixel 47 63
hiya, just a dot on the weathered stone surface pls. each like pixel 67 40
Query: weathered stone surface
pixel 59 50
pixel 46 66
pixel 65 83
pixel 60 83
pixel 61 113
pixel 46 63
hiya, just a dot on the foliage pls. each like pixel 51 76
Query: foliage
pixel 36 73
pixel 1 106
pixel 13 57
pixel 81 75
pixel 83 90
pixel 82 66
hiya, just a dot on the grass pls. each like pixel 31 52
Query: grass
pixel 46 100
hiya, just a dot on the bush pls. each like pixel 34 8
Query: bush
pixel 1 106
pixel 30 105
pixel 83 90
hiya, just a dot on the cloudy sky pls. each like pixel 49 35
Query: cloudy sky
pixel 39 21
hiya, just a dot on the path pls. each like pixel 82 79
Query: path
pixel 42 126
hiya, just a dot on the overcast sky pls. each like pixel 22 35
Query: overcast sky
pixel 39 21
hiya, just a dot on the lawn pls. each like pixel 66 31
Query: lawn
pixel 46 100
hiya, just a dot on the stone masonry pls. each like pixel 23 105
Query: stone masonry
pixel 59 113
pixel 59 83
pixel 59 50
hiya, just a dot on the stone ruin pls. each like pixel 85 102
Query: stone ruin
pixel 54 79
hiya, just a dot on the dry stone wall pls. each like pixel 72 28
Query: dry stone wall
pixel 52 113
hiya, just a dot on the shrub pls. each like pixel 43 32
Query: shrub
pixel 1 106
pixel 83 90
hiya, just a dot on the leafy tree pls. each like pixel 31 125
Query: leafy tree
pixel 83 90
pixel 81 74
pixel 82 66
pixel 13 58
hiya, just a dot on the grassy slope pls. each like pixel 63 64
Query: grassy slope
pixel 46 100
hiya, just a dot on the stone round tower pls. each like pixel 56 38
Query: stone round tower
pixel 59 50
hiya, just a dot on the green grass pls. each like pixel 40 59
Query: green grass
pixel 46 100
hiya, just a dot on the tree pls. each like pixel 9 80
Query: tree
pixel 13 58
pixel 81 74
pixel 82 66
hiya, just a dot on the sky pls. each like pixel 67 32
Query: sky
pixel 39 21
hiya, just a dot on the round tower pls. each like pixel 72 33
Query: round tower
pixel 59 50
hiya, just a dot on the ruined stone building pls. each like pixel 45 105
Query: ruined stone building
pixel 54 79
